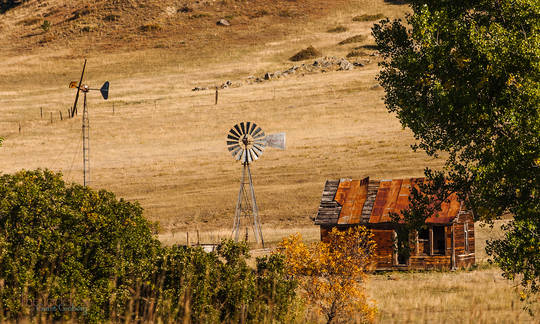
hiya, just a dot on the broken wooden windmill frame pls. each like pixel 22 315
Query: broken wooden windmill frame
pixel 246 142
pixel 85 120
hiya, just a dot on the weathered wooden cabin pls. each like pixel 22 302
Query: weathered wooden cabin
pixel 446 243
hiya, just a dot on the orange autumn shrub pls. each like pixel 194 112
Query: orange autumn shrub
pixel 331 274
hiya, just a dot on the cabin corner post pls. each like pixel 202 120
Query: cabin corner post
pixel 453 247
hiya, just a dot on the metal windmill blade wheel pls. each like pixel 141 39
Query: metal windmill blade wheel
pixel 246 142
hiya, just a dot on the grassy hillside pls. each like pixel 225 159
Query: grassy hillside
pixel 165 144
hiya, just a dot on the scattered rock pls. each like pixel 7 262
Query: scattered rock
pixel 322 65
pixel 226 85
pixel 223 22
pixel 345 65
pixel 185 9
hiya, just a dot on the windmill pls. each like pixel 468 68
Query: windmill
pixel 85 121
pixel 246 142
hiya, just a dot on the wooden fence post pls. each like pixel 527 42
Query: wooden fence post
pixel 51 118
pixel 216 95
pixel 41 112
pixel 60 112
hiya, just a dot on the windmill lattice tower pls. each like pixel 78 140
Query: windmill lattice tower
pixel 246 142
pixel 85 120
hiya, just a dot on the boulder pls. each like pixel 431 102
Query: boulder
pixel 223 22
pixel 345 65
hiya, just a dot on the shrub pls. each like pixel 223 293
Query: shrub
pixel 356 53
pixel 338 29
pixel 112 17
pixel 88 28
pixel 353 39
pixel 368 17
pixel 46 25
pixel 305 54
pixel 218 287
pixel 185 9
pixel 150 27
pixel 331 273
pixel 68 242
pixel 260 13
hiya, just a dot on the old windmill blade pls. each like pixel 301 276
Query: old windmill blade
pixel 74 85
pixel 246 142
pixel 104 90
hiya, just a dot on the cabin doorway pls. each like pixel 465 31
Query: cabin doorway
pixel 439 245
pixel 401 248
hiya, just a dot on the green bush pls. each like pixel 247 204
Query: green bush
pixel 69 251
pixel 46 25
pixel 68 242
pixel 220 287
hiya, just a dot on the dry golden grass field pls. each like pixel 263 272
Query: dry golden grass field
pixel 164 146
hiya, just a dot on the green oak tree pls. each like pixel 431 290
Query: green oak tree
pixel 464 76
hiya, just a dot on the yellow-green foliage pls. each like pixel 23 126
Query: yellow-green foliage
pixel 331 273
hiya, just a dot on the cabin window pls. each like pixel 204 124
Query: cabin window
pixel 466 229
pixel 438 240
pixel 423 241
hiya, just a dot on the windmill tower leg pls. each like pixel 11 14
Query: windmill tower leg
pixel 246 208
pixel 86 144
pixel 256 223
pixel 239 207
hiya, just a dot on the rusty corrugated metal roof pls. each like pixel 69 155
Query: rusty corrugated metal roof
pixel 352 195
pixel 365 201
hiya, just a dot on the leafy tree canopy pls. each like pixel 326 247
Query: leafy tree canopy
pixel 60 241
pixel 464 76
pixel 5 5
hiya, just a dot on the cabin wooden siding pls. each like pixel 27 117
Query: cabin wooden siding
pixel 454 239
pixel 384 251
pixel 464 258
pixel 346 203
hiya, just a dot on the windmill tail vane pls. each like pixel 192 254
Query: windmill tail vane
pixel 246 142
